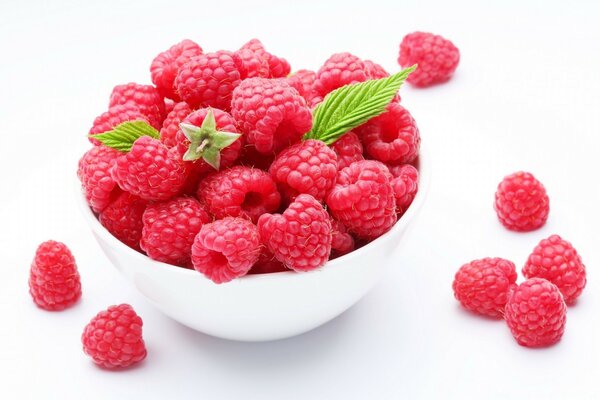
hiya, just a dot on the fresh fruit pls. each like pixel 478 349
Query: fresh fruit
pixel 303 81
pixel 341 241
pixel 170 126
pixel 278 67
pixel 340 69
pixel 166 65
pixel 267 263
pixel 405 184
pixel 115 116
pixel 374 70
pixel 250 64
pixel 94 173
pixel 348 149
pixel 123 219
pixel 144 97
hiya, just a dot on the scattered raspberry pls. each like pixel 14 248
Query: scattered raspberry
pixel 250 64
pixel 341 241
pixel 555 260
pixel 405 185
pixel 303 81
pixel 278 67
pixel 483 286
pixel 300 237
pixel 271 113
pixel 250 157
pixel 123 219
pixel 267 263
pixel 349 149
pixel 307 167
pixel 340 69
pixel 149 170
pixel 239 191
pixel 226 249
pixel 94 173
pixel 521 202
pixel 437 58
pixel 374 70
pixel 145 97
pixel 392 137
pixel 115 116
pixel 113 338
pixel 170 228
pixel 170 127
pixel 166 65
pixel 536 313
pixel 53 279
pixel 208 80
pixel 363 199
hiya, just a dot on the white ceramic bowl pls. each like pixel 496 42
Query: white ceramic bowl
pixel 259 307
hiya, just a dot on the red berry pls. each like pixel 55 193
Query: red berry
pixel 536 313
pixel 349 149
pixel 340 69
pixel 145 97
pixel 405 184
pixel 271 113
pixel 170 228
pixel 115 116
pixel 278 67
pixel 483 286
pixel 341 241
pixel 166 65
pixel 374 70
pixel 123 219
pixel 54 282
pixel 239 191
pixel 267 263
pixel 437 58
pixel 170 127
pixel 303 81
pixel 300 237
pixel 113 338
pixel 250 157
pixel 250 64
pixel 94 173
pixel 226 249
pixel 169 105
pixel 521 202
pixel 555 260
pixel 363 199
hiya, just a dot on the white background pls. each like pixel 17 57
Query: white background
pixel 525 96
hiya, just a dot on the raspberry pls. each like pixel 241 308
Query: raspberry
pixel 536 313
pixel 300 237
pixel 555 260
pixel 169 105
pixel 115 116
pixel 149 170
pixel 521 202
pixel 437 58
pixel 271 113
pixel 239 191
pixel 392 137
pixel 340 69
pixel 113 338
pixel 170 127
pixel 405 185
pixel 169 229
pixel 341 241
pixel 278 67
pixel 145 97
pixel 267 263
pixel 303 81
pixel 307 167
pixel 348 149
pixel 94 173
pixel 208 80
pixel 250 157
pixel 363 199
pixel 226 249
pixel 483 286
pixel 374 70
pixel 250 64
pixel 53 279
pixel 166 65
pixel 123 219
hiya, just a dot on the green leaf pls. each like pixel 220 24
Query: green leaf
pixel 352 105
pixel 122 136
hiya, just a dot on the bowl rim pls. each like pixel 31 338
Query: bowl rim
pixel 401 224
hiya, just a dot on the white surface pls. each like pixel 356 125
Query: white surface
pixel 526 96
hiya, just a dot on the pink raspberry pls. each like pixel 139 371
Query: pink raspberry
pixel 208 80
pixel 341 241
pixel 166 65
pixel 363 199
pixel 278 67
pixel 521 202
pixel 483 286
pixel 239 191
pixel 54 282
pixel 374 70
pixel 226 249
pixel 115 116
pixel 123 219
pixel 250 64
pixel 267 263
pixel 339 70
pixel 307 167
pixel 169 229
pixel 536 313
pixel 555 260
pixel 250 157
pixel 271 113
pixel 170 127
pixel 145 97
pixel 437 58
pixel 303 81
pixel 169 105
pixel 149 170
pixel 405 184
pixel 300 237
pixel 392 137
pixel 349 149
pixel 94 172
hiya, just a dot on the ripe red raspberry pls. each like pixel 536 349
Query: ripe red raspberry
pixel 170 127
pixel 226 249
pixel 169 229
pixel 521 202
pixel 115 116
pixel 307 167
pixel 267 263
pixel 484 286
pixel 303 81
pixel 437 58
pixel 340 69
pixel 405 184
pixel 145 97
pixel 208 80
pixel 169 105
pixel 363 199
pixel 239 192
pixel 113 338
pixel 349 149
pixel 392 137
pixel 123 219
pixel 94 173
pixel 149 170
pixel 166 65
pixel 555 260
pixel 341 241
pixel 271 113
pixel 278 67
pixel 536 313
pixel 300 237
pixel 250 64
pixel 250 157
pixel 54 282
pixel 374 70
